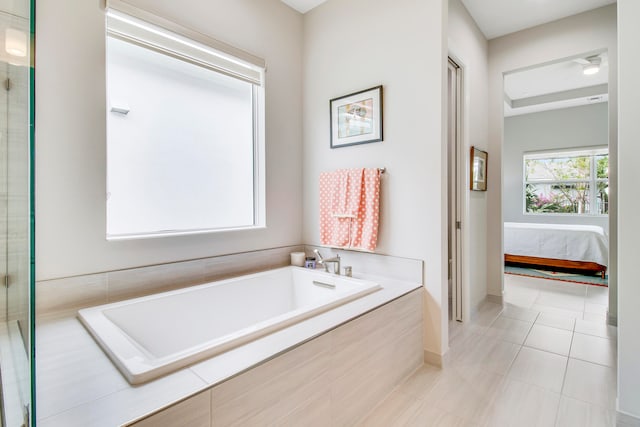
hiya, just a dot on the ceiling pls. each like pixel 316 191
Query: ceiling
pixel 499 17
pixel 548 87
pixel 303 6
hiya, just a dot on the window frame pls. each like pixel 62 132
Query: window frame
pixel 241 65
pixel 592 181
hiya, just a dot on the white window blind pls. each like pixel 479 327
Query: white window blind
pixel 153 32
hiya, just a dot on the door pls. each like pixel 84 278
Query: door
pixel 455 190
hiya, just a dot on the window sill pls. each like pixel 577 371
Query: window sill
pixel 567 214
pixel 175 233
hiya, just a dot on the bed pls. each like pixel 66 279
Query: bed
pixel 574 247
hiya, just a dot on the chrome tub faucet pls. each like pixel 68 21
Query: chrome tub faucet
pixel 335 262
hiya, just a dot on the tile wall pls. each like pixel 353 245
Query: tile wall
pixel 61 297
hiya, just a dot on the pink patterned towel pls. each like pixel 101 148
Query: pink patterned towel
pixel 350 208
pixel 346 192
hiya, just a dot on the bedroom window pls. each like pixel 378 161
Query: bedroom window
pixel 185 132
pixel 570 182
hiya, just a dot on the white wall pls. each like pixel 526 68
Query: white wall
pixel 566 38
pixel 629 150
pixel 70 133
pixel 577 127
pixel 469 48
pixel 350 45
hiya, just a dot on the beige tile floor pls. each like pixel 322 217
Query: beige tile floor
pixel 547 358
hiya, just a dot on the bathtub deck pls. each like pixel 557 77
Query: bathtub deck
pixel 77 384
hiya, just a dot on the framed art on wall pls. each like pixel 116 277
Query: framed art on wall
pixel 478 170
pixel 356 118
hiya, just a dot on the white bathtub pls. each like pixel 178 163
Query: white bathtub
pixel 151 336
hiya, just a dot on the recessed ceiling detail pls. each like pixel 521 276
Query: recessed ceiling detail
pixel 559 85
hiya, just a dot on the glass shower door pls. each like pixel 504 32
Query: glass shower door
pixel 15 213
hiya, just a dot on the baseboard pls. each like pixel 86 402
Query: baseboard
pixel 624 419
pixel 474 310
pixel 489 298
pixel 434 359
pixel 495 299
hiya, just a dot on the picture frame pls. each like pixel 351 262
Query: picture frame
pixel 478 170
pixel 356 118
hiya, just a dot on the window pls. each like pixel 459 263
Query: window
pixel 185 133
pixel 572 182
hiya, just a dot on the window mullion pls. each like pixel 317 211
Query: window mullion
pixel 592 187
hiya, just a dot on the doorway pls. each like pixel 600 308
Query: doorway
pixel 455 178
pixel 556 187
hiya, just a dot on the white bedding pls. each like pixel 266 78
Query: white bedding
pixel 560 241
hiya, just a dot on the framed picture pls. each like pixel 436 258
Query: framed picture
pixel 478 170
pixel 356 118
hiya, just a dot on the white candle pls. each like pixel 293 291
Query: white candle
pixel 298 258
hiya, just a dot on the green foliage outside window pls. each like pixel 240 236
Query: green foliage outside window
pixel 572 184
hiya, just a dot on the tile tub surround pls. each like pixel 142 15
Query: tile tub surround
pixel 406 269
pixel 78 386
pixel 62 297
pixel 327 381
